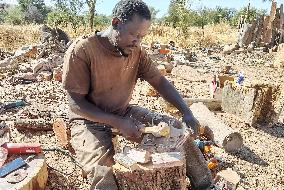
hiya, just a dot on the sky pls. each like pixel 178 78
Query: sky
pixel 106 6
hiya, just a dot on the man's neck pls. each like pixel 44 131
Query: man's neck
pixel 109 33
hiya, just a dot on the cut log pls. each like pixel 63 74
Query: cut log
pixel 268 36
pixel 170 177
pixel 212 104
pixel 36 179
pixel 281 24
pixel 227 178
pixel 173 158
pixel 32 125
pixel 224 136
pixel 254 103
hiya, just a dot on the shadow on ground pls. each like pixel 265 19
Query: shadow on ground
pixel 248 155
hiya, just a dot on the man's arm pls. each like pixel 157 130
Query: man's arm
pixel 170 94
pixel 81 106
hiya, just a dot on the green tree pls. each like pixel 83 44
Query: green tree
pixel 33 10
pixel 154 13
pixel 67 11
pixel 92 8
pixel 14 15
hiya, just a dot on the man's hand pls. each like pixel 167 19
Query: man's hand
pixel 129 128
pixel 192 123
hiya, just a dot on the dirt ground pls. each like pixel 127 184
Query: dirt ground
pixel 259 163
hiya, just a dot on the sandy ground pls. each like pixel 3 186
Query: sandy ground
pixel 259 163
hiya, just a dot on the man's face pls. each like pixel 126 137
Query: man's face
pixel 130 34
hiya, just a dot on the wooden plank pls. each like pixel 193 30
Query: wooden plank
pixel 224 136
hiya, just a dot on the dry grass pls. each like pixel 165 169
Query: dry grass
pixel 13 37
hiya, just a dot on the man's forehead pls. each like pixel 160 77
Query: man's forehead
pixel 137 23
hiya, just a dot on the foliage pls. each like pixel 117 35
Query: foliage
pixel 35 11
pixel 14 15
pixel 253 14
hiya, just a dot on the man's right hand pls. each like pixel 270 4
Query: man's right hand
pixel 129 128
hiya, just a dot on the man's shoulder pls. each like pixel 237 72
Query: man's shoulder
pixel 82 43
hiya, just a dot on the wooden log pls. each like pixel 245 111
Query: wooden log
pixel 259 30
pixel 212 104
pixel 32 125
pixel 170 177
pixel 36 179
pixel 268 36
pixel 255 104
pixel 251 33
pixel 159 174
pixel 281 24
pixel 227 178
pixel 224 136
pixel 265 29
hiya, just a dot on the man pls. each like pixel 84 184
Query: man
pixel 100 72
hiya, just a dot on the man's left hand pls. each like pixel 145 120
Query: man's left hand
pixel 192 123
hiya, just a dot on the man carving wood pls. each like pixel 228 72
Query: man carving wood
pixel 100 72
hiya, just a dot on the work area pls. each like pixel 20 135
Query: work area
pixel 163 117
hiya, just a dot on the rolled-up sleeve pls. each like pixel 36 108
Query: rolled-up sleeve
pixel 76 69
pixel 147 70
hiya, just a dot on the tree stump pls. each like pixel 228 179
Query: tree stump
pixel 166 170
pixel 223 135
pixel 254 103
pixel 36 179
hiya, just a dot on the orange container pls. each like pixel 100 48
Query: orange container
pixel 164 51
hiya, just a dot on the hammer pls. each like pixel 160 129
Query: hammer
pixel 160 130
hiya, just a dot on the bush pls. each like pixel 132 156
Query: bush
pixel 14 16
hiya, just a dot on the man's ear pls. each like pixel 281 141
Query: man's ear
pixel 115 22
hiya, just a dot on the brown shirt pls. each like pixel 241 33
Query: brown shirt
pixel 106 77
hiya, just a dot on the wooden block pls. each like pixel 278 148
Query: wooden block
pixel 61 132
pixel 160 130
pixel 223 79
pixel 57 74
pixel 255 103
pixel 165 158
pixel 139 156
pixel 125 161
pixel 36 179
pixel 227 179
pixel 223 135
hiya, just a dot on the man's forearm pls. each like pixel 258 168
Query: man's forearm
pixel 170 94
pixel 85 109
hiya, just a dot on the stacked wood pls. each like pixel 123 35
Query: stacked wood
pixel 264 31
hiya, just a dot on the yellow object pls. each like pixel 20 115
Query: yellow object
pixel 207 149
pixel 212 165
